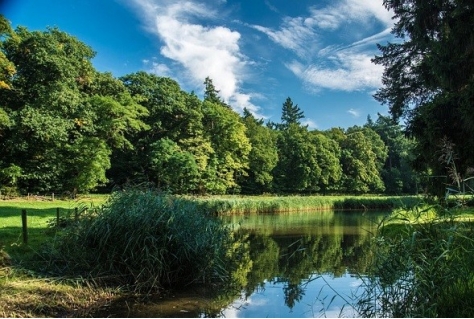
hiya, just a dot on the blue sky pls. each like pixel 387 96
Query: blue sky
pixel 257 52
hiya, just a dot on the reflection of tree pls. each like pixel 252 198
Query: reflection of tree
pixel 326 248
pixel 293 294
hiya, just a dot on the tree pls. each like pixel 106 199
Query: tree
pixel 175 169
pixel 362 157
pixel 327 157
pixel 428 76
pixel 297 169
pixel 230 144
pixel 211 93
pixel 7 68
pixel 397 173
pixel 263 156
pixel 174 115
pixel 291 114
pixel 63 123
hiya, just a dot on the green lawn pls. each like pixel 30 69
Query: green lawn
pixel 39 213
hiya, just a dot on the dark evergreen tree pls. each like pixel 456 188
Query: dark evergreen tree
pixel 291 114
pixel 429 77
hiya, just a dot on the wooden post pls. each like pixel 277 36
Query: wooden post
pixel 52 197
pixel 76 214
pixel 25 226
pixel 57 217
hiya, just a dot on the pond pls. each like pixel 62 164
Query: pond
pixel 297 265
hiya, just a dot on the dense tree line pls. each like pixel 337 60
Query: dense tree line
pixel 64 126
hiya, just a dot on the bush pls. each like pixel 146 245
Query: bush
pixel 146 240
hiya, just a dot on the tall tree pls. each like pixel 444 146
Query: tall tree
pixel 291 113
pixel 398 175
pixel 363 154
pixel 63 127
pixel 428 76
pixel 230 144
pixel 263 156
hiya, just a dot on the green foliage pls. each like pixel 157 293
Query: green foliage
pixel 291 114
pixel 297 169
pixel 60 119
pixel 423 267
pixel 263 156
pixel 146 240
pixel 428 77
pixel 397 173
pixel 176 169
pixel 362 157
pixel 230 144
pixel 68 127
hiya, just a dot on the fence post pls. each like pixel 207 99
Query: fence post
pixel 57 217
pixel 76 214
pixel 24 226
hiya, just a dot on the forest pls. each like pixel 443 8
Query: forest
pixel 67 128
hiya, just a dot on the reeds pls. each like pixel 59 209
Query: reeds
pixel 422 267
pixel 220 205
pixel 145 240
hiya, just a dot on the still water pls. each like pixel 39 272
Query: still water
pixel 297 265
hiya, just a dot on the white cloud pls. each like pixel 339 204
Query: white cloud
pixel 337 66
pixel 159 69
pixel 201 50
pixel 295 34
pixel 311 124
pixel 342 12
pixel 347 71
pixel 354 112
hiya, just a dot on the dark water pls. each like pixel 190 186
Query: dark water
pixel 297 265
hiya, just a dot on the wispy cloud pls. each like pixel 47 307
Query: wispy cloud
pixel 345 11
pixel 340 65
pixel 345 71
pixel 201 50
pixel 354 112
pixel 295 34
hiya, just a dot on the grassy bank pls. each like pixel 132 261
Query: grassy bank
pixel 26 290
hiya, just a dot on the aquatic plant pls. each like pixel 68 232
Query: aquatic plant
pixel 145 240
pixel 422 267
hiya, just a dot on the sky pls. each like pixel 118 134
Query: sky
pixel 257 52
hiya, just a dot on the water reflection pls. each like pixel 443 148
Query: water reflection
pixel 290 265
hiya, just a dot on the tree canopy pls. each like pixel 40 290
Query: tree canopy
pixel 428 77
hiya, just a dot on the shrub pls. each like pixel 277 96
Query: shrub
pixel 146 240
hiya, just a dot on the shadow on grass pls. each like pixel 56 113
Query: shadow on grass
pixel 38 230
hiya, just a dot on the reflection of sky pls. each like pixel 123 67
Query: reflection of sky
pixel 317 300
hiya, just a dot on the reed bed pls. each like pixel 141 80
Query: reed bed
pixel 146 241
pixel 220 205
pixel 422 267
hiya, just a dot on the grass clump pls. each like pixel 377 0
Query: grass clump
pixel 145 240
pixel 423 266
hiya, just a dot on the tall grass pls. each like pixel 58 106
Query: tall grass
pixel 145 240
pixel 280 204
pixel 423 267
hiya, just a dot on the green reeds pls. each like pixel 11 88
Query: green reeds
pixel 145 240
pixel 422 267
pixel 219 205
